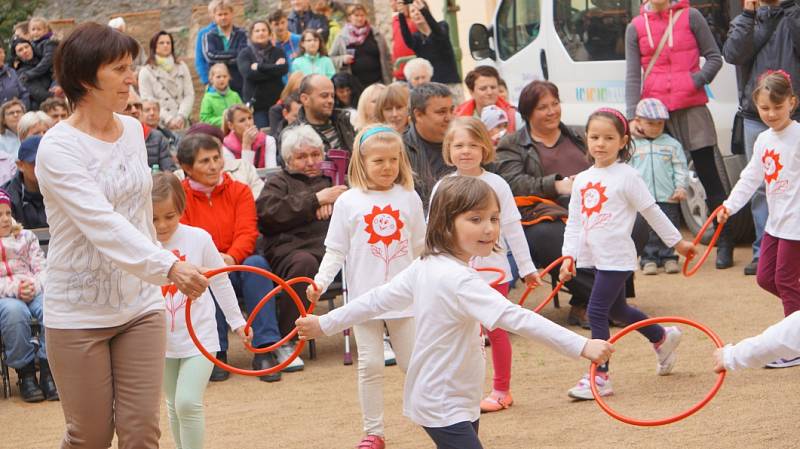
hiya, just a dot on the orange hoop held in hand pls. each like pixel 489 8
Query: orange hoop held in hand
pixel 553 293
pixel 691 271
pixel 281 285
pixel 657 422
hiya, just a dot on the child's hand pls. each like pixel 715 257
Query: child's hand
pixel 598 351
pixel 678 195
pixel 313 294
pixel 567 271
pixel 533 280
pixel 722 215
pixel 686 249
pixel 719 365
pixel 246 338
pixel 308 328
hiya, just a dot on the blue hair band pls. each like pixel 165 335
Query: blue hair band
pixel 376 130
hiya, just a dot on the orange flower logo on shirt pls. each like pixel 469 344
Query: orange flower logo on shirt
pixel 383 225
pixel 592 198
pixel 772 165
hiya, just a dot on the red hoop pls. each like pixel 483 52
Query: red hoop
pixel 657 422
pixel 553 293
pixel 691 271
pixel 495 283
pixel 282 285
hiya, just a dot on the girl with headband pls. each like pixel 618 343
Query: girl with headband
pixel 602 208
pixel 377 229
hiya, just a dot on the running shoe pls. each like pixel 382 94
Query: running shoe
pixel 784 363
pixel 583 389
pixel 665 350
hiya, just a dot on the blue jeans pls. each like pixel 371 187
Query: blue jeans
pixel 252 287
pixel 15 326
pixel 655 250
pixel 758 203
pixel 261 119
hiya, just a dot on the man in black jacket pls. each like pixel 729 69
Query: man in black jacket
pixel 332 125
pixel 759 39
pixel 224 42
pixel 27 205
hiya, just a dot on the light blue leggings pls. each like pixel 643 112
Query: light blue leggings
pixel 185 382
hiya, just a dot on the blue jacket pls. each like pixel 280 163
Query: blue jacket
pixel 301 22
pixel 11 87
pixel 290 48
pixel 662 164
pixel 215 52
pixel 200 62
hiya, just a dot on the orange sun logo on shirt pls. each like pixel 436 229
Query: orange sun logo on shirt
pixel 772 165
pixel 383 225
pixel 592 198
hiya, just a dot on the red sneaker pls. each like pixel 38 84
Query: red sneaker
pixel 371 442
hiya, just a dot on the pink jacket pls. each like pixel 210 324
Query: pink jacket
pixel 671 78
pixel 20 258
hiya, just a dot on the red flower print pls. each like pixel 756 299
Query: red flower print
pixel 772 165
pixel 383 225
pixel 592 198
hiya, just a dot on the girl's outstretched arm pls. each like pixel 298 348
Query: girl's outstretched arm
pixel 781 340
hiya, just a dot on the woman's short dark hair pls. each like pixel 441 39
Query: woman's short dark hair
pixel 88 47
pixel 482 70
pixel 151 58
pixel 192 144
pixel 531 95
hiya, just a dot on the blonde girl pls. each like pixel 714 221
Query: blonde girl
pixel 392 106
pixel 377 229
pixel 366 111
pixel 450 301
pixel 313 58
pixel 776 164
pixel 186 371
pixel 245 141
pixel 468 147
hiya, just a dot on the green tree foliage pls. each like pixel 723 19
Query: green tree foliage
pixel 12 12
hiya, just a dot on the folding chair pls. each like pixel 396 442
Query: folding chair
pixel 4 371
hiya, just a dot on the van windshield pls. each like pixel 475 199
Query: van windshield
pixel 517 26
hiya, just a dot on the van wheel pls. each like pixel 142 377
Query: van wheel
pixel 695 212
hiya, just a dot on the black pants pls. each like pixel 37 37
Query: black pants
pixel 463 435
pixel 655 250
pixel 296 263
pixel 706 169
pixel 545 240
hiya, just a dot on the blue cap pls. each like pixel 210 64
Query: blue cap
pixel 28 149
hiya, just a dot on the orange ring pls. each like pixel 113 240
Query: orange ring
pixel 691 271
pixel 495 283
pixel 657 422
pixel 553 293
pixel 282 285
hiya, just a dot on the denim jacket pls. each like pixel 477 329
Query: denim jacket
pixel 662 164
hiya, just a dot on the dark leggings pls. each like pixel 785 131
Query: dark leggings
pixel 463 435
pixel 608 301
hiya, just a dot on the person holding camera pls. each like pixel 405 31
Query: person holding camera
pixel 766 35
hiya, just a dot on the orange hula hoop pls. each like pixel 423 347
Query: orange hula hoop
pixel 555 290
pixel 691 271
pixel 281 285
pixel 671 419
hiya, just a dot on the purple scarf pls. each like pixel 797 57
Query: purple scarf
pixel 356 36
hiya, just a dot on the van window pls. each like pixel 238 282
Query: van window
pixel 594 30
pixel 517 25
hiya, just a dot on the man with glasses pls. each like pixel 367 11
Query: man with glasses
pixel 158 151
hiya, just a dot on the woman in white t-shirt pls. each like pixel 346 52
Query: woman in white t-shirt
pixel 468 147
pixel 377 229
pixel 602 209
pixel 103 314
pixel 450 302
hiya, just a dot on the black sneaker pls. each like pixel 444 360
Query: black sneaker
pixel 265 361
pixel 752 268
pixel 218 374
pixel 28 387
pixel 46 383
pixel 724 257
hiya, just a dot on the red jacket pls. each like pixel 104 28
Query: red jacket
pixel 229 216
pixel 467 109
pixel 399 47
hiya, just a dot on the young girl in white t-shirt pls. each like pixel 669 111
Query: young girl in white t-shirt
pixel 186 371
pixel 602 209
pixel 776 164
pixel 467 146
pixel 450 302
pixel 377 229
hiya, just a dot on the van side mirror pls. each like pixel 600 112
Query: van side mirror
pixel 479 42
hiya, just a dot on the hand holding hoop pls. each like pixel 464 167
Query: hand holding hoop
pixel 691 271
pixel 555 290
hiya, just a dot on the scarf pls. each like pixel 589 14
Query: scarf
pixel 166 64
pixel 355 37
pixel 261 52
pixel 196 186
pixel 234 145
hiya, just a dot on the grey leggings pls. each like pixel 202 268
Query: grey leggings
pixel 463 435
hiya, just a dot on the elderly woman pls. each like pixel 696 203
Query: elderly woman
pixel 418 71
pixel 392 106
pixel 226 209
pixel 167 80
pixel 294 211
pixel 539 161
pixel 10 113
pixel 33 123
pixel 361 49
pixel 482 84
pixel 104 314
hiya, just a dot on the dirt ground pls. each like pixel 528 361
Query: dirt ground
pixel 318 407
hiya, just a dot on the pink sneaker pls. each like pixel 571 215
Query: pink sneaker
pixel 496 402
pixel 371 442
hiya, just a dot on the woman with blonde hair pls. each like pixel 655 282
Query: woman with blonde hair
pixel 392 106
pixel 366 111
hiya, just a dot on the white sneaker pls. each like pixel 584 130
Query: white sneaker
pixel 284 352
pixel 583 389
pixel 389 358
pixel 783 363
pixel 666 351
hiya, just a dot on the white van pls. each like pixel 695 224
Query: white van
pixel 580 46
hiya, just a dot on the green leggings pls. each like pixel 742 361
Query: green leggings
pixel 185 382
